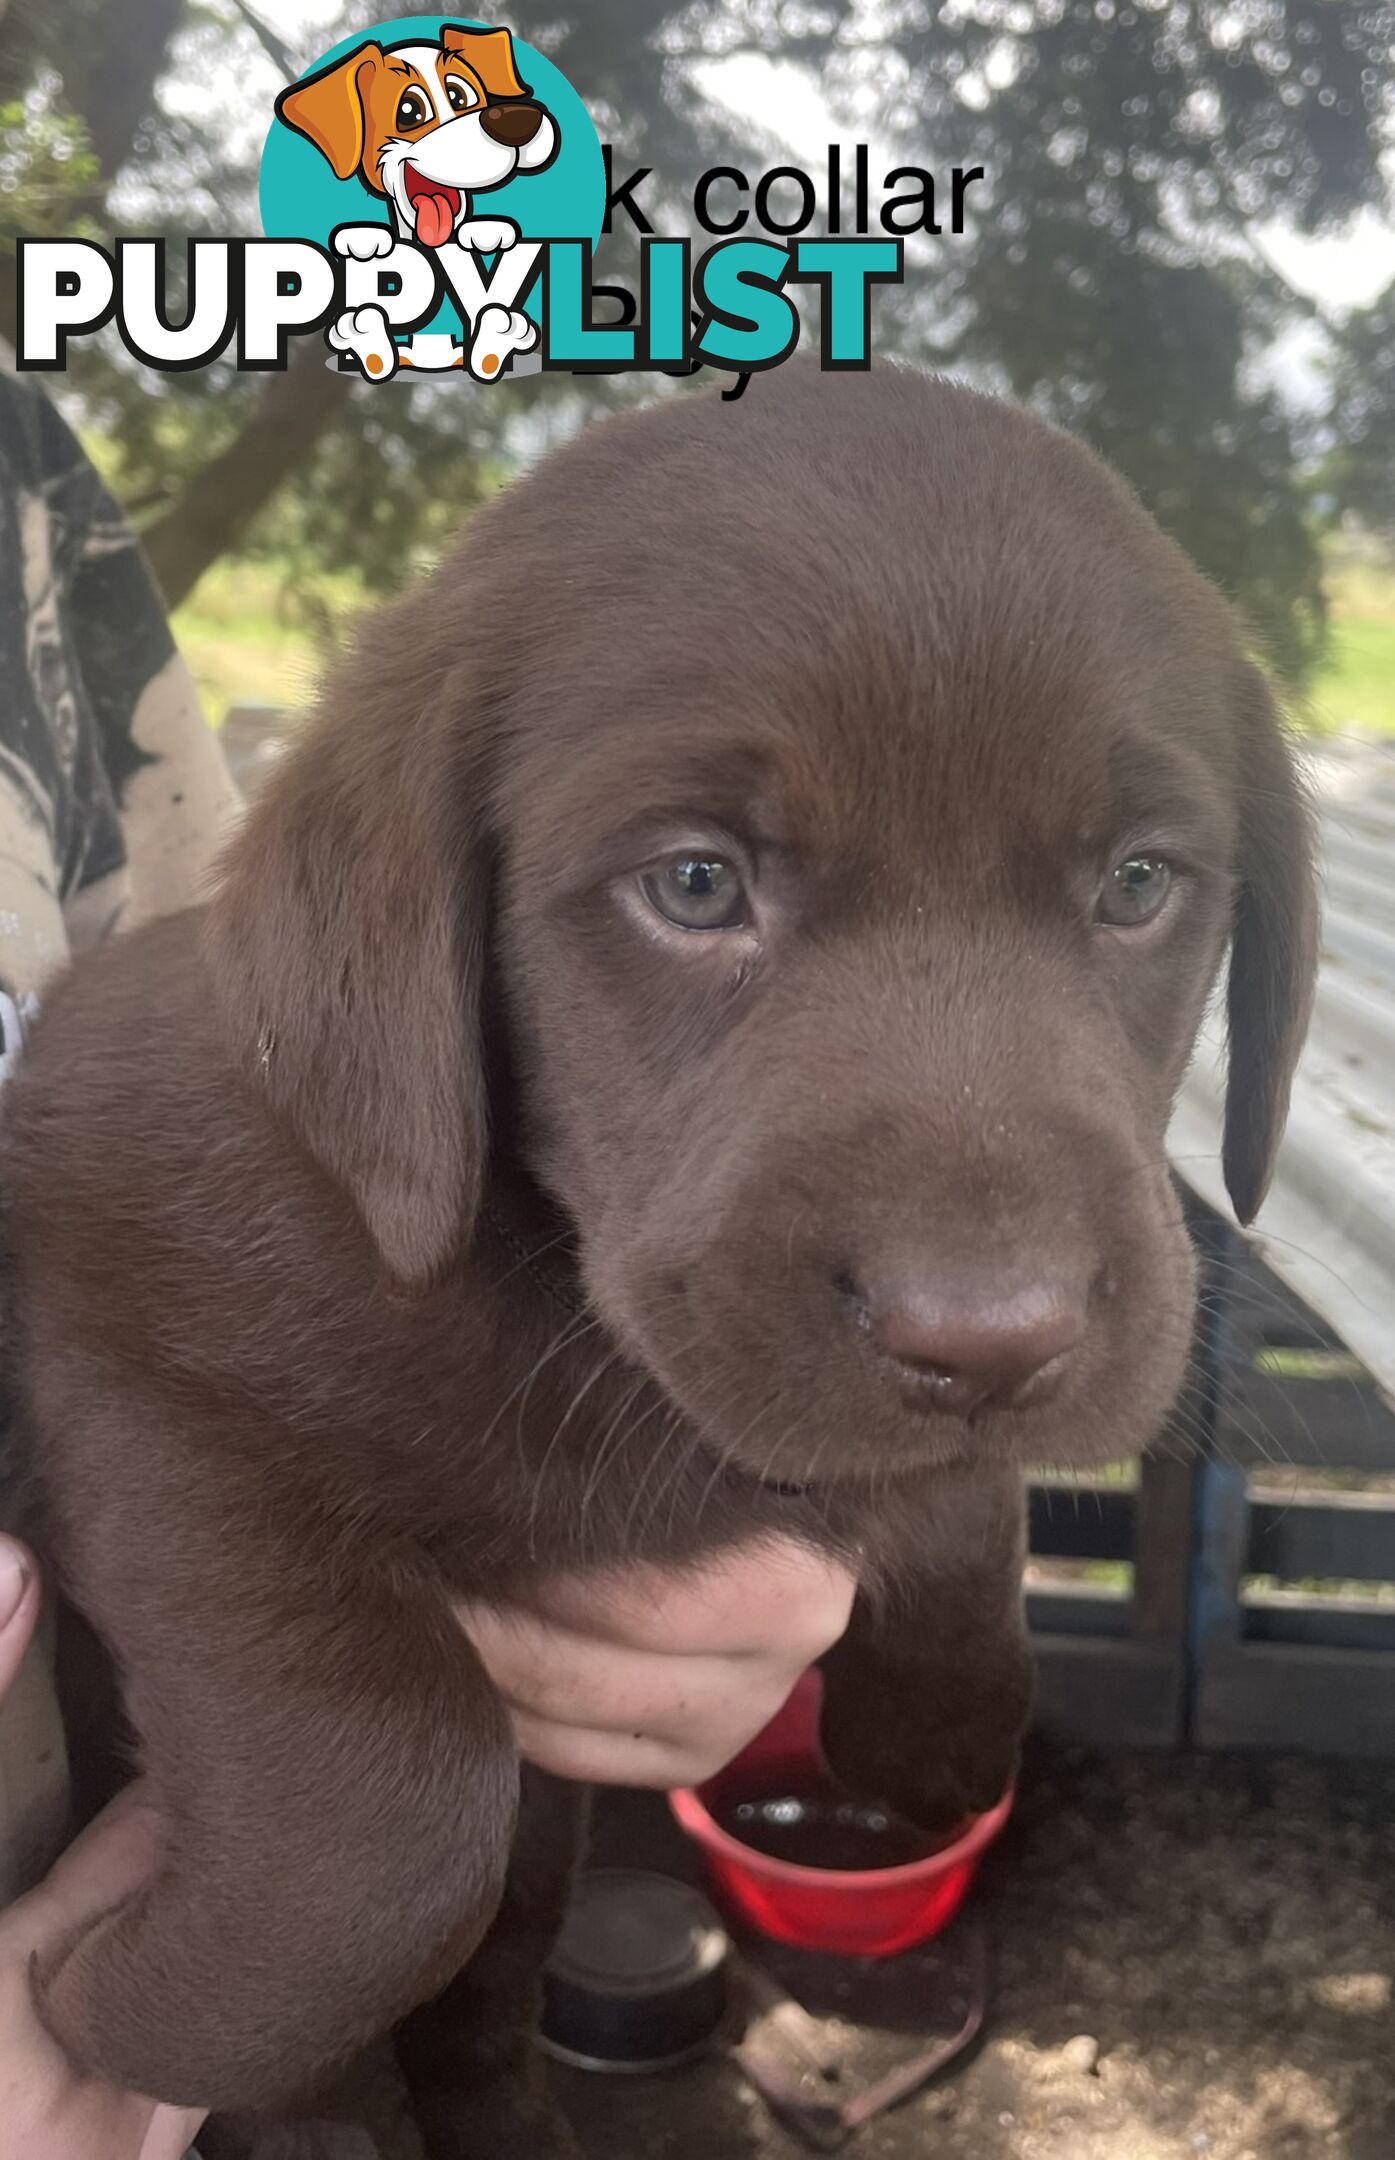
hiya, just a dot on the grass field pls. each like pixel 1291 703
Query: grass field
pixel 255 634
pixel 1355 686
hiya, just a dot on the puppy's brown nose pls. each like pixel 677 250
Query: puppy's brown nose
pixel 513 125
pixel 958 1354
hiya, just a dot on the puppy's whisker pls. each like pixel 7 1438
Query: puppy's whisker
pixel 722 1462
pixel 527 1261
pixel 554 1441
pixel 570 1331
pixel 615 1439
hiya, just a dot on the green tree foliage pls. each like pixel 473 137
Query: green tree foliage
pixel 1112 275
pixel 330 472
pixel 1361 468
pixel 1113 279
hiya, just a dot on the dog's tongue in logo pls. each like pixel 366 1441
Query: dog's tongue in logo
pixel 433 220
pixel 434 206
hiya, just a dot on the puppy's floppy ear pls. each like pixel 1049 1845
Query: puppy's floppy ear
pixel 490 54
pixel 1274 944
pixel 328 107
pixel 347 942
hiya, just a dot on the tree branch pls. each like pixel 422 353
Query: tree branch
pixel 110 74
pixel 221 500
pixel 278 54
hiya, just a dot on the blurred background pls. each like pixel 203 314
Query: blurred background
pixel 1184 251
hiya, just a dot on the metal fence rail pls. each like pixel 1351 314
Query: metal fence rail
pixel 1260 1609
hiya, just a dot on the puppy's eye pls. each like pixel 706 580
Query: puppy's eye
pixel 1134 891
pixel 459 95
pixel 413 110
pixel 697 892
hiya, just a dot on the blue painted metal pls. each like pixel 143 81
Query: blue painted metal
pixel 1214 1617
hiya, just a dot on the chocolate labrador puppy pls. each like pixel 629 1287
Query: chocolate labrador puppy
pixel 683 1045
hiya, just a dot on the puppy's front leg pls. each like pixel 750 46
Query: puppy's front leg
pixel 476 2078
pixel 335 1773
pixel 927 1695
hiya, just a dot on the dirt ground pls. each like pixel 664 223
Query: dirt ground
pixel 1195 1956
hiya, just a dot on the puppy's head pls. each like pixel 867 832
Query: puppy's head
pixel 837 806
pixel 425 125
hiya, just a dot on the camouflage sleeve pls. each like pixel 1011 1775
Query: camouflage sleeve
pixel 113 797
pixel 113 792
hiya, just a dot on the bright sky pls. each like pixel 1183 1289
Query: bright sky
pixel 783 102
pixel 1343 270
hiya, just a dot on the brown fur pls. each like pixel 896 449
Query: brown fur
pixel 420 1219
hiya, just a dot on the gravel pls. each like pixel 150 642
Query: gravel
pixel 1196 1955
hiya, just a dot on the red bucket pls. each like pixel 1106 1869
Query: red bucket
pixel 867 1912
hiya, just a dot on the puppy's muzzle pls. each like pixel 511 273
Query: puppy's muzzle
pixel 513 124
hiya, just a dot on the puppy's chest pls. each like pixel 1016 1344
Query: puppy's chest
pixel 629 1483
pixel 561 1457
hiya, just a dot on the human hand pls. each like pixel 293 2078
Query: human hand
pixel 637 1677
pixel 50 2110
pixel 647 1676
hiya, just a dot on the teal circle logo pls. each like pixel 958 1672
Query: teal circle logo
pixel 448 133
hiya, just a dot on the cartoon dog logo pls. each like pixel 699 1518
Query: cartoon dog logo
pixel 427 128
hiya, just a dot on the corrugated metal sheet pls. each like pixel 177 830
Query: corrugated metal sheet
pixel 1328 1225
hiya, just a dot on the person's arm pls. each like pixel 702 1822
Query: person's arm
pixel 113 801
pixel 632 1678
pixel 48 2109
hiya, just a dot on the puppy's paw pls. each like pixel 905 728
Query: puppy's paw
pixel 131 2000
pixel 961 1773
pixel 84 2000
pixel 363 333
pixel 363 243
pixel 934 1760
pixel 487 235
pixel 499 333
